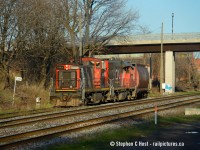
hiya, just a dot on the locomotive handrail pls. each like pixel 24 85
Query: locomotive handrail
pixel 110 82
pixel 111 90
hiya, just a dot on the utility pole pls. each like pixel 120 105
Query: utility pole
pixel 81 39
pixel 150 71
pixel 161 60
pixel 172 26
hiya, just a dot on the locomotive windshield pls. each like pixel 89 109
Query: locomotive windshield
pixel 67 79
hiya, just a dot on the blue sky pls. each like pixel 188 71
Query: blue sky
pixel 153 12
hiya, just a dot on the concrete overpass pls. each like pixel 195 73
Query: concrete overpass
pixel 151 43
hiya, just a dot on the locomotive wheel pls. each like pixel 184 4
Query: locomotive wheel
pixel 145 95
pixel 85 102
pixel 115 99
pixel 96 98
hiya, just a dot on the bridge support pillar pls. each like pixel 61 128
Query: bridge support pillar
pixel 169 72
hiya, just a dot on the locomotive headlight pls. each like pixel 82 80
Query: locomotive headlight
pixel 67 67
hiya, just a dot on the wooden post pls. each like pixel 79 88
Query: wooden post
pixel 156 114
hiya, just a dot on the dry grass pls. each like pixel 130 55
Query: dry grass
pixel 29 93
pixel 25 98
pixel 5 99
pixel 154 92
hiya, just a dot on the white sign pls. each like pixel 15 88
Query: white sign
pixel 18 78
pixel 163 86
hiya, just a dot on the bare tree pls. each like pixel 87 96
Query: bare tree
pixel 45 39
pixel 34 34
pixel 186 71
pixel 105 19
pixel 69 11
pixel 182 67
pixel 101 20
pixel 155 66
pixel 7 34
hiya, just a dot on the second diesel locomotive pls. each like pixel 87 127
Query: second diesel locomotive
pixel 96 81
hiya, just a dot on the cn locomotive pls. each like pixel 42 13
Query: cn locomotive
pixel 97 81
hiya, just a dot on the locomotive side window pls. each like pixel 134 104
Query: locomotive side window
pixel 98 64
pixel 95 63
pixel 126 69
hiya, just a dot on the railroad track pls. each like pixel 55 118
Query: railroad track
pixel 10 140
pixel 10 115
pixel 65 113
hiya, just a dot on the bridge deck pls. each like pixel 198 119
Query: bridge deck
pixel 148 43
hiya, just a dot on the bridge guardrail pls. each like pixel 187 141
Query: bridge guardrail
pixel 165 36
pixel 155 37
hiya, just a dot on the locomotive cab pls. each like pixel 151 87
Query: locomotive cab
pixel 67 86
pixel 67 77
pixel 75 84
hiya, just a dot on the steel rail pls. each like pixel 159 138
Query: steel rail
pixel 10 115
